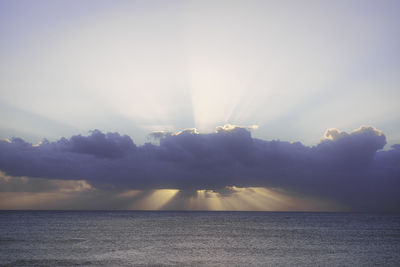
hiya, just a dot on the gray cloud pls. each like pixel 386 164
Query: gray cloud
pixel 349 168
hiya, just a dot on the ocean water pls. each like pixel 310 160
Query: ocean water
pixel 165 238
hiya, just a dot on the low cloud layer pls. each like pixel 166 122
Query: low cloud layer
pixel 349 168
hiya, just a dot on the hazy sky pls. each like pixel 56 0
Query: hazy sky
pixel 293 68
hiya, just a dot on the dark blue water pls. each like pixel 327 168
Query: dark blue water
pixel 124 238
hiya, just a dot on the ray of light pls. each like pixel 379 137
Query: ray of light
pixel 156 199
pixel 207 200
pixel 254 198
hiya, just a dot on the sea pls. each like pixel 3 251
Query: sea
pixel 197 238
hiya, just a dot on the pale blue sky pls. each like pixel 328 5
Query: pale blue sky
pixel 295 68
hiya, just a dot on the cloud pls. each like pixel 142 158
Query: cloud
pixel 27 184
pixel 230 127
pixel 349 168
pixel 110 145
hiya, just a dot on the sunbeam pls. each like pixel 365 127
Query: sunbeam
pixel 156 199
pixel 239 199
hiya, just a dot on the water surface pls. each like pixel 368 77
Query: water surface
pixel 124 238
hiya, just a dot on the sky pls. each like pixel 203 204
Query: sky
pixel 209 105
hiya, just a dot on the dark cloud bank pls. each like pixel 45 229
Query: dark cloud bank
pixel 349 168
